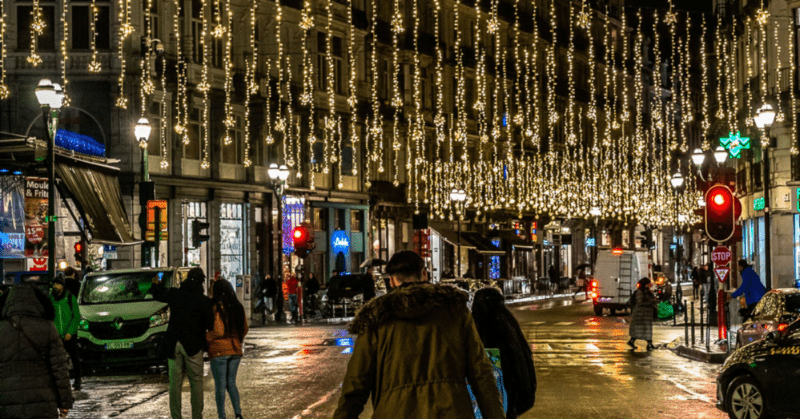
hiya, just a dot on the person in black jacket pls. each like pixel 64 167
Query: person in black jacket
pixel 34 371
pixel 190 317
pixel 499 329
pixel 310 289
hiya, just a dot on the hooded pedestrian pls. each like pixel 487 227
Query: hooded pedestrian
pixel 34 372
pixel 67 317
pixel 499 329
pixel 644 303
pixel 695 275
pixel 417 347
pixel 225 341
pixel 310 289
pixel 751 287
pixel 265 295
pixel 184 341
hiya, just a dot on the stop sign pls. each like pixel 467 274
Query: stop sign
pixel 721 256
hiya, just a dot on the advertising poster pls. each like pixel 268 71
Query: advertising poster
pixel 36 217
pixel 12 218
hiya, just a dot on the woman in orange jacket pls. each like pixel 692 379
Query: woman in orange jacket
pixel 225 342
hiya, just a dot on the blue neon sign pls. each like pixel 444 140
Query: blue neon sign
pixel 340 242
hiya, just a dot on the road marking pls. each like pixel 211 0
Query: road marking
pixel 533 323
pixel 563 323
pixel 323 399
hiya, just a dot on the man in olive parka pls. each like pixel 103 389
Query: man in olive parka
pixel 417 347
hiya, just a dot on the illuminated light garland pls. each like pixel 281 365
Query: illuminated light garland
pixel 94 65
pixel 204 87
pixel 180 128
pixel 352 100
pixel 269 139
pixel 762 15
pixel 332 122
pixel 287 120
pixel 793 100
pixel 147 87
pixel 572 139
pixel 250 84
pixel 733 101
pixel 671 17
pixel 706 124
pixel 4 90
pixel 397 100
pixel 162 126
pixel 122 101
pixel 720 77
pixel 229 120
pixel 584 20
pixel 219 28
pixel 779 116
pixel 37 28
pixel 552 80
pixel 306 23
pixel 417 124
pixel 749 121
pixel 63 50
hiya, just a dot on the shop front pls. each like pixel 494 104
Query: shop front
pixel 340 238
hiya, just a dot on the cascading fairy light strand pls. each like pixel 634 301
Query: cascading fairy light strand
pixel 417 128
pixel 687 111
pixel 180 128
pixel 147 88
pixel 749 62
pixel 397 101
pixel 4 91
pixel 204 87
pixel 229 120
pixel 569 134
pixel 793 101
pixel 352 100
pixel 552 112
pixel 732 93
pixel 376 130
pixel 720 77
pixel 37 29
pixel 706 124
pixel 162 126
pixel 779 116
pixel 534 76
pixel 250 75
pixel 125 29
pixel 63 48
pixel 94 65
pixel 330 156
pixel 306 23
pixel 280 121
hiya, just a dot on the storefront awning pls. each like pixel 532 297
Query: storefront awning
pixel 483 245
pixel 451 237
pixel 97 195
pixel 510 237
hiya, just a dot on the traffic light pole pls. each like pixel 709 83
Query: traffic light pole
pixel 279 274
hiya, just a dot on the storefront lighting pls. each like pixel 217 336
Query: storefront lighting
pixel 698 157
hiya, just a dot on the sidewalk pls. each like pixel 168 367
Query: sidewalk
pixel 711 350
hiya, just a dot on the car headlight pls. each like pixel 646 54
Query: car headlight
pixel 83 324
pixel 160 317
pixel 359 297
pixel 324 298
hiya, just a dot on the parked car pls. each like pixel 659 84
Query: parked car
pixel 776 310
pixel 121 322
pixel 346 293
pixel 40 279
pixel 760 380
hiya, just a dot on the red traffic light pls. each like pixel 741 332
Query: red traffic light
pixel 78 247
pixel 720 213
pixel 300 235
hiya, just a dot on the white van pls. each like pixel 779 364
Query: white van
pixel 616 275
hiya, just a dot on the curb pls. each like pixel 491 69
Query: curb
pixel 696 354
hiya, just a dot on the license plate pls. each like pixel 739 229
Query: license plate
pixel 119 345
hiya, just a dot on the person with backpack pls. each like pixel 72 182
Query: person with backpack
pixel 416 350
pixel 67 317
pixel 499 329
pixel 184 341
pixel 34 370
pixel 225 342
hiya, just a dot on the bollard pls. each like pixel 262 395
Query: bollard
pixel 701 320
pixel 692 324
pixel 708 339
pixel 674 314
pixel 685 327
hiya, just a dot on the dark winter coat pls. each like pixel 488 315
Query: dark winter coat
pixel 311 286
pixel 32 386
pixel 189 317
pixel 644 303
pixel 269 288
pixel 416 349
pixel 499 329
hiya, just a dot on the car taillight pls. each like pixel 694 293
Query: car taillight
pixel 782 326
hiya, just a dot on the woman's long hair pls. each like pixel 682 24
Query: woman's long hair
pixel 229 308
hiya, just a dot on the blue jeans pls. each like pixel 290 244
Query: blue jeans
pixel 224 370
pixel 293 306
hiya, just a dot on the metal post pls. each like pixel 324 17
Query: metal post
pixel 156 235
pixel 674 314
pixel 458 255
pixel 767 216
pixel 279 274
pixel 693 324
pixel 701 320
pixel 685 324
pixel 50 120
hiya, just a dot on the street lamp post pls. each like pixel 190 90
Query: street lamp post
pixel 278 176
pixel 677 183
pixel 50 98
pixel 142 131
pixel 595 212
pixel 458 196
pixel 764 118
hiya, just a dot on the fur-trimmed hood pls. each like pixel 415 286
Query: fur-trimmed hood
pixel 407 302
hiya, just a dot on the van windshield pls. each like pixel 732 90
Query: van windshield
pixel 121 287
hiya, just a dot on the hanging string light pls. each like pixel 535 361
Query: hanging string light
pixel 63 51
pixel 250 75
pixel 793 100
pixel 671 17
pixel 147 87
pixel 4 91
pixel 352 100
pixel 749 60
pixel 397 100
pixel 306 23
pixel 162 126
pixel 584 19
pixel 122 101
pixel 572 139
pixel 203 87
pixel 375 131
pixel 534 77
pixel 94 65
pixel 706 124
pixel 37 29
pixel 552 112
pixel 229 120
pixel 779 116
pixel 180 128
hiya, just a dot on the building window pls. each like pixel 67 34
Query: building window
pixel 338 65
pixel 231 241
pixel 193 256
pixel 46 41
pixel 387 79
pixel 355 220
pixel 197 32
pixel 154 142
pixel 81 29
pixel 322 62
pixel 233 153
pixel 196 134
pixel 320 219
pixel 155 32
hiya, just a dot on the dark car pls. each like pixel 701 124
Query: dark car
pixel 39 279
pixel 775 311
pixel 760 380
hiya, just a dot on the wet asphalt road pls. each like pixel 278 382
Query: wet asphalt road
pixel 583 366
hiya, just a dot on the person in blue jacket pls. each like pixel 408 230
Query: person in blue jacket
pixel 751 287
